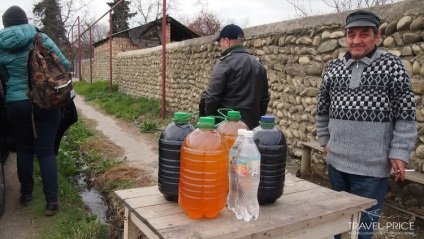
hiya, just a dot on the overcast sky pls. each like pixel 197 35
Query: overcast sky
pixel 243 12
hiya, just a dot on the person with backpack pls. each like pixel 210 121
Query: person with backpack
pixel 33 137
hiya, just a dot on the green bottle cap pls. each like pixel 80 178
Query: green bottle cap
pixel 233 115
pixel 180 117
pixel 206 123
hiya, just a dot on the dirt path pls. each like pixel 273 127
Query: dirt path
pixel 140 150
pixel 15 223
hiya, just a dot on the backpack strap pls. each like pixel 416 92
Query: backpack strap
pixel 3 86
pixel 38 39
pixel 29 68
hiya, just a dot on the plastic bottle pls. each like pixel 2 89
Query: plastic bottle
pixel 232 174
pixel 248 174
pixel 170 143
pixel 204 171
pixel 229 127
pixel 272 145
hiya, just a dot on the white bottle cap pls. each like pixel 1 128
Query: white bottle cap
pixel 241 131
pixel 248 134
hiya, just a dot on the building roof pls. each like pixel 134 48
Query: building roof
pixel 140 35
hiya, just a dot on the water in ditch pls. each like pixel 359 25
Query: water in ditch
pixel 91 198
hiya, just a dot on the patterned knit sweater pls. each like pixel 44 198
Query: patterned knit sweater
pixel 366 114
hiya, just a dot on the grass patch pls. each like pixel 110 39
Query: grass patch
pixel 143 112
pixel 79 151
pixel 82 150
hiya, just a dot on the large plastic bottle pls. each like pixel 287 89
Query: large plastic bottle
pixel 272 145
pixel 248 175
pixel 204 171
pixel 170 143
pixel 232 174
pixel 229 127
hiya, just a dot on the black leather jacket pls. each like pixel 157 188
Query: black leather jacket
pixel 239 82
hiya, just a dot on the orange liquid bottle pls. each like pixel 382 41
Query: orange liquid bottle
pixel 229 128
pixel 203 171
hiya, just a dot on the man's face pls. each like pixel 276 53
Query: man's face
pixel 361 41
pixel 224 43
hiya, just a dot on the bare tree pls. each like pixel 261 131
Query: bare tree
pixel 56 18
pixel 303 8
pixel 343 5
pixel 205 22
pixel 150 10
pixel 68 10
pixel 100 31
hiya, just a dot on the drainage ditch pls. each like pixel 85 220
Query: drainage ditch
pixel 91 197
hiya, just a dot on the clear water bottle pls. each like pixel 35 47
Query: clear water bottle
pixel 248 175
pixel 232 192
pixel 170 143
pixel 272 146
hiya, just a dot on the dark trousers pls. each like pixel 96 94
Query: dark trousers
pixel 364 186
pixel 46 125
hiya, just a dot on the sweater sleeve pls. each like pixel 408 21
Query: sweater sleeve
pixel 405 128
pixel 323 110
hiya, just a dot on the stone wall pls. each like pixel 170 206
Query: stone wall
pixel 101 63
pixel 294 52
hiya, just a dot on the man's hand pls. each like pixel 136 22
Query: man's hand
pixel 325 149
pixel 398 169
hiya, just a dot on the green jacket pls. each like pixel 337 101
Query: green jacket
pixel 15 43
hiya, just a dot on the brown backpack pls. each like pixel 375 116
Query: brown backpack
pixel 49 84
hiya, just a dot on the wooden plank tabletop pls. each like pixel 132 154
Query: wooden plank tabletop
pixel 314 145
pixel 415 177
pixel 302 205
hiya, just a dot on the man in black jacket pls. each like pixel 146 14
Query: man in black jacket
pixel 238 81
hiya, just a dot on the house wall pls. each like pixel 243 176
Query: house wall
pixel 294 52
pixel 101 63
pixel 168 33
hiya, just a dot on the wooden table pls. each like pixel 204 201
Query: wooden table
pixel 305 210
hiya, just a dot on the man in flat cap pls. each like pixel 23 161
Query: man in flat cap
pixel 366 117
pixel 238 81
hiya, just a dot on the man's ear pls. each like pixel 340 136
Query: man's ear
pixel 378 35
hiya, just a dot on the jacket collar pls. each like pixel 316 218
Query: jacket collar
pixel 235 48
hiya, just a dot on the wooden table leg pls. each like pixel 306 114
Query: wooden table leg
pixel 305 162
pixel 354 227
pixel 130 229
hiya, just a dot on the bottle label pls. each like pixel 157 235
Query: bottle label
pixel 256 168
pixel 248 167
pixel 233 160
